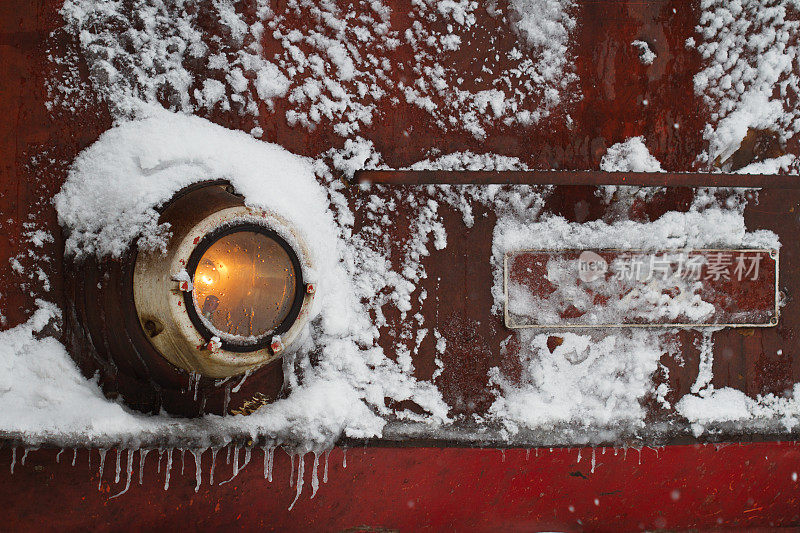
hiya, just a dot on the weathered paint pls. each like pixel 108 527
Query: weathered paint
pixel 416 489
pixel 746 486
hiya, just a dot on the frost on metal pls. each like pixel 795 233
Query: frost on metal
pixel 114 186
pixel 320 64
pixel 646 55
pixel 750 71
pixel 338 67
pixel 601 378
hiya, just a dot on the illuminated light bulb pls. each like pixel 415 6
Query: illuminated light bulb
pixel 246 285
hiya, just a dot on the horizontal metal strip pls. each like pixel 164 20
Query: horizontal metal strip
pixel 576 177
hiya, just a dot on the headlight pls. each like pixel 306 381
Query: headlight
pixel 245 286
pixel 229 294
pixel 174 328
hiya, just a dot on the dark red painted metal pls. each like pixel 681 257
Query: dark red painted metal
pixel 420 489
pixel 576 177
pixel 742 486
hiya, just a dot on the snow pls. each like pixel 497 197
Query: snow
pixel 646 55
pixel 628 299
pixel 327 64
pixel 42 392
pixel 750 67
pixel 590 379
pixel 116 184
pixel 707 405
pixel 44 399
pixel 695 229
pixel 630 156
pixel 731 405
pixel 600 378
pixel 469 161
pixel 775 165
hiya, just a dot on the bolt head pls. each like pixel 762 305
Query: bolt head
pixel 277 346
pixel 214 345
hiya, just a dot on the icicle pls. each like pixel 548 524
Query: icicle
pixel 593 459
pixel 247 456
pixel 314 476
pixel 235 466
pixel 344 459
pixel 267 471
pixel 213 465
pixel 527 454
pixel 183 459
pixel 102 452
pixel 129 468
pixel 300 472
pixel 160 455
pixel 169 468
pixel 325 472
pixel 579 455
pixel 58 455
pixel 615 451
pixel 235 461
pixel 142 455
pixel 24 455
pixel 239 386
pixel 625 453
pixel 119 466
pixel 230 450
pixel 551 450
pixel 271 463
pixel 536 451
pixel 74 455
pixel 268 455
pixel 604 450
pixel 503 454
pixel 291 473
pixel 640 455
pixel 13 458
pixel 198 472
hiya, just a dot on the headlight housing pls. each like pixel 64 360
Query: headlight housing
pixel 179 328
pixel 229 295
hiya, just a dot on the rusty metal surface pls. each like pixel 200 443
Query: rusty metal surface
pixel 576 177
pixel 739 486
pixel 38 146
pixel 756 361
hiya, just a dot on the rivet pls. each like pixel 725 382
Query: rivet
pixel 276 345
pixel 214 345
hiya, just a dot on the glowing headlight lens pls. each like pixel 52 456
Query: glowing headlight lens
pixel 244 286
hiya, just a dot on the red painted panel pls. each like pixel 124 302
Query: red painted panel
pixel 749 485
pixel 413 489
